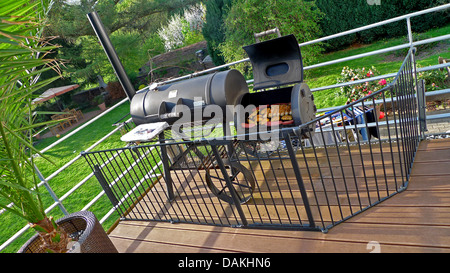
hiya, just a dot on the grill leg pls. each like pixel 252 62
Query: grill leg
pixel 234 196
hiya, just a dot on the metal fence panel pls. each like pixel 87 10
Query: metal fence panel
pixel 352 161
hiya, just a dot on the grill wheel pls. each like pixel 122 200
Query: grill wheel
pixel 241 178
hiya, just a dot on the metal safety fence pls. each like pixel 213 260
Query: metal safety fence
pixel 306 179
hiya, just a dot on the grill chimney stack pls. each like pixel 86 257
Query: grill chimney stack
pixel 99 29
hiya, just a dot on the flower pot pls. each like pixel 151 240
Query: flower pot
pixel 84 229
pixel 102 106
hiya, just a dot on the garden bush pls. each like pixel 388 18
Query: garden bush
pixel 350 14
pixel 247 17
pixel 436 79
pixel 213 29
pixel 356 91
pixel 183 30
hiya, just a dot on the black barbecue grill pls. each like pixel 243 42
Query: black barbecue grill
pixel 279 99
pixel 167 102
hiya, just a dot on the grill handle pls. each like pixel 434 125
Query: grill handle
pixel 164 114
pixel 267 32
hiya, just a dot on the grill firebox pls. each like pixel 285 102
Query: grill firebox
pixel 277 64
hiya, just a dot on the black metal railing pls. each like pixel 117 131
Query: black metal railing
pixel 353 160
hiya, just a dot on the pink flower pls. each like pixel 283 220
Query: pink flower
pixel 370 92
pixel 382 82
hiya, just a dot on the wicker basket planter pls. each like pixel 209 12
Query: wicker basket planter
pixel 85 230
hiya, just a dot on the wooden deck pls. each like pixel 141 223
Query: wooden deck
pixel 416 220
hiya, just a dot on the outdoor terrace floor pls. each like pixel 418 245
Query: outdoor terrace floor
pixel 416 220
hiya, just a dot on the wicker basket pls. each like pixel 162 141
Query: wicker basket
pixel 85 229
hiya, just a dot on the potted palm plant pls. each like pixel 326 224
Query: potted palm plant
pixel 22 59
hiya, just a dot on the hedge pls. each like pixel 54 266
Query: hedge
pixel 350 14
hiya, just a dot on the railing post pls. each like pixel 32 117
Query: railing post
pixel 410 37
pixel 50 191
pixel 421 102
pixel 300 183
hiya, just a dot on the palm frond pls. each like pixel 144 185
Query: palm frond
pixel 23 53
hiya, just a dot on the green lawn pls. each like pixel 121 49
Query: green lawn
pixel 385 63
pixel 66 151
pixel 60 155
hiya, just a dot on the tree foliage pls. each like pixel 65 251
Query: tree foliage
pixel 185 29
pixel 131 25
pixel 70 22
pixel 345 15
pixel 213 30
pixel 247 17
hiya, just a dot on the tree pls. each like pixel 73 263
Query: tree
pixel 70 22
pixel 130 23
pixel 213 30
pixel 247 17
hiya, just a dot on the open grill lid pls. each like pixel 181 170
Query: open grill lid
pixel 275 62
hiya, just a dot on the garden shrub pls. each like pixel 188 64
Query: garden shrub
pixel 435 79
pixel 213 29
pixel 247 17
pixel 356 91
pixel 183 30
pixel 349 14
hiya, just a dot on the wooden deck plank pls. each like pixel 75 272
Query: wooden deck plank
pixel 142 246
pixel 416 220
pixel 412 215
pixel 427 145
pixel 428 156
pixel 354 237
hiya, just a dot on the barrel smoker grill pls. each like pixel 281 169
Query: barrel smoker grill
pixel 280 99
pixel 276 64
